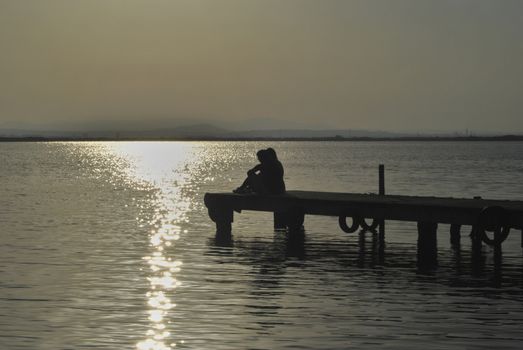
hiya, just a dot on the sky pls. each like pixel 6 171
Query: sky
pixel 395 65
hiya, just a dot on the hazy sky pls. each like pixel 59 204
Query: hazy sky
pixel 369 64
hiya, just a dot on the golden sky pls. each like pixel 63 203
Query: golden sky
pixel 368 64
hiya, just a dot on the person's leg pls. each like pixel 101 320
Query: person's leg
pixel 245 187
pixel 245 183
pixel 252 183
pixel 256 184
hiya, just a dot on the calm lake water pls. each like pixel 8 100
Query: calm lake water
pixel 109 246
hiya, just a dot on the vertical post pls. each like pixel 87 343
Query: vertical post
pixel 279 220
pixel 294 220
pixel 476 240
pixel 382 179
pixel 223 217
pixel 381 192
pixel 427 244
pixel 223 227
pixel 497 247
pixel 455 237
pixel 361 249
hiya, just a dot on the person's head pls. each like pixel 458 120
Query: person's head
pixel 262 155
pixel 271 154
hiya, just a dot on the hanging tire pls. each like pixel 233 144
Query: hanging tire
pixel 492 219
pixel 370 228
pixel 342 220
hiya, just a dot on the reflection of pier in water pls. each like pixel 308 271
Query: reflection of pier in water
pixel 367 256
pixel 491 220
pixel 339 283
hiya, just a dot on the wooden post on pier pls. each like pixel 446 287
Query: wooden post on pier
pixel 476 240
pixel 381 230
pixel 427 243
pixel 279 220
pixel 291 220
pixel 455 234
pixel 223 217
pixel 382 179
pixel 294 219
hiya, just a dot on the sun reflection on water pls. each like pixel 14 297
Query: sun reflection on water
pixel 164 166
pixel 162 282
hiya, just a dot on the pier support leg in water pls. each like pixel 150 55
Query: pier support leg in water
pixel 223 217
pixel 497 247
pixel 294 220
pixel 455 236
pixel 381 232
pixel 279 220
pixel 427 244
pixel 476 240
pixel 381 191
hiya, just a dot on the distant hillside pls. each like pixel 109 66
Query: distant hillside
pixel 306 133
pixel 209 131
pixel 204 131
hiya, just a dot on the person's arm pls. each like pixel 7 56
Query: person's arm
pixel 254 170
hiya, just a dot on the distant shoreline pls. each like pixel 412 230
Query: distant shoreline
pixel 337 138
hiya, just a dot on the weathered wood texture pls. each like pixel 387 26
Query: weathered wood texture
pixel 387 207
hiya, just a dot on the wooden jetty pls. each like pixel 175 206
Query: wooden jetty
pixel 491 219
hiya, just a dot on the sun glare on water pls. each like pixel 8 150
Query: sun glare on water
pixel 161 165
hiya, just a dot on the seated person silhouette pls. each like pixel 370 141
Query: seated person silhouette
pixel 266 177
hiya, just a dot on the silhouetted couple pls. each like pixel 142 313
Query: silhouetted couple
pixel 266 177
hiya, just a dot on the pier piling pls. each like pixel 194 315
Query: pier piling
pixel 455 234
pixel 381 227
pixel 279 220
pixel 294 220
pixel 427 243
pixel 223 217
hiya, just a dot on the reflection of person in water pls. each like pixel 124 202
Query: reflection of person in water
pixel 266 177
